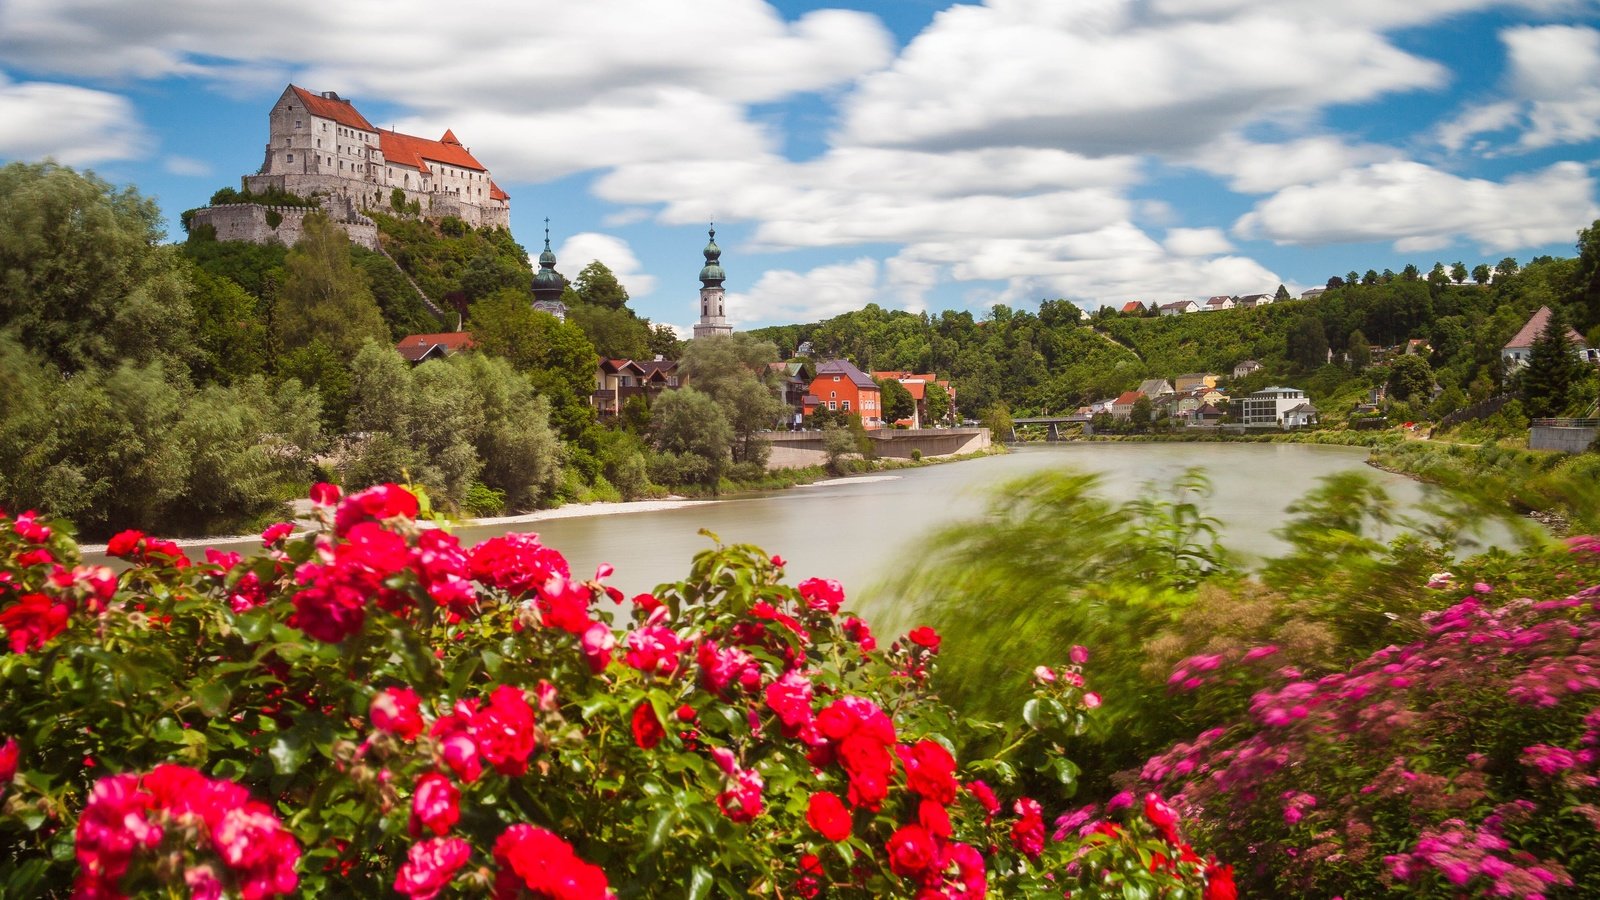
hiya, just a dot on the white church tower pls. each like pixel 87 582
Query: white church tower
pixel 713 319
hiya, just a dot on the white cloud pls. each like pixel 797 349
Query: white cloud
pixel 1557 69
pixel 1487 119
pixel 1197 242
pixel 75 126
pixel 578 251
pixel 1419 207
pixel 1104 77
pixel 187 166
pixel 781 295
pixel 1259 168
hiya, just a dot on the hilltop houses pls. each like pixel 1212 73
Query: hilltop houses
pixel 1517 351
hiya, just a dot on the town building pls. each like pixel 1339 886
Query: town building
pixel 839 385
pixel 1122 407
pixel 1179 307
pixel 419 348
pixel 916 384
pixel 1214 304
pixel 548 285
pixel 1268 406
pixel 1517 351
pixel 1190 380
pixel 793 384
pixel 618 380
pixel 320 146
pixel 1245 368
pixel 713 317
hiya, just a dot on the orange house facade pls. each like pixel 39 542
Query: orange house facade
pixel 841 386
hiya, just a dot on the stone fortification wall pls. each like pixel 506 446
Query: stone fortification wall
pixel 364 195
pixel 251 222
pixel 1567 439
pixel 798 449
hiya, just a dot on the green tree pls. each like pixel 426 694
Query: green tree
pixel 597 285
pixel 664 342
pixel 997 418
pixel 555 355
pixel 1481 273
pixel 615 333
pixel 1139 417
pixel 839 445
pixel 1281 295
pixel 1410 379
pixel 692 437
pixel 938 400
pixel 897 402
pixel 1458 272
pixel 323 296
pixel 1359 351
pixel 82 280
pixel 1371 277
pixel 1505 268
pixel 230 333
pixel 1553 370
pixel 1588 274
pixel 521 454
pixel 733 370
pixel 1307 343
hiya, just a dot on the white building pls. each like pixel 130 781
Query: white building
pixel 1517 351
pixel 320 143
pixel 1269 406
pixel 713 317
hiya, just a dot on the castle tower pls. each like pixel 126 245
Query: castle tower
pixel 548 284
pixel 713 319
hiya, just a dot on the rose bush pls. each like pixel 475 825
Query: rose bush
pixel 1466 762
pixel 373 709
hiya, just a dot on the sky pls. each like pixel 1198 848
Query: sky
pixel 915 154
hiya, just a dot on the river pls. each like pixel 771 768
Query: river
pixel 862 530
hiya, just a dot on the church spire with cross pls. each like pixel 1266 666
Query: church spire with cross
pixel 713 318
pixel 548 284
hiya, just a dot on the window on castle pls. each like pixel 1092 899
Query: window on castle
pixel 291 157
pixel 296 124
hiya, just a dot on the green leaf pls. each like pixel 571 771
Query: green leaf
pixel 660 827
pixel 212 697
pixel 1030 713
pixel 699 884
pixel 288 751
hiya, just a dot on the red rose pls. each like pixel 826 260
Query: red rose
pixel 1162 816
pixel 124 543
pixel 647 730
pixel 536 859
pixel 397 711
pixel 9 754
pixel 504 731
pixel 325 494
pixel 807 885
pixel 431 865
pixel 381 501
pixel 930 771
pixel 822 594
pixel 924 636
pixel 826 813
pixel 515 563
pixel 1027 833
pixel 790 698
pixel 912 851
pixel 436 805
pixel 1219 883
pixel 32 621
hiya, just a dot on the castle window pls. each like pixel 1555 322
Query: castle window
pixel 291 157
pixel 296 124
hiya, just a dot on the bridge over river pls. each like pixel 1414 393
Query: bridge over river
pixel 1054 423
pixel 797 449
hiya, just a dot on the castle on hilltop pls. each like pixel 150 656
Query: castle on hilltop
pixel 320 145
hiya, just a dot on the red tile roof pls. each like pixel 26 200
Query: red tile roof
pixel 495 193
pixel 1133 305
pixel 410 150
pixel 340 111
pixel 416 347
pixel 1128 398
pixel 1535 327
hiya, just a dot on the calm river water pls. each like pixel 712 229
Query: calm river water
pixel 862 530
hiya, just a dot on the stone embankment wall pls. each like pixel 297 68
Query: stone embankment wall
pixel 1567 439
pixel 798 449
pixel 252 222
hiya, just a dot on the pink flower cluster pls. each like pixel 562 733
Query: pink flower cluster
pixel 132 816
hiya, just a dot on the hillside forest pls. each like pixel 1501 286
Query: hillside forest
pixel 195 387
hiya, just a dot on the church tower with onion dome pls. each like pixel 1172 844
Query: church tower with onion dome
pixel 713 319
pixel 548 284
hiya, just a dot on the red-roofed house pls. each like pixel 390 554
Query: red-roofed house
pixel 917 386
pixel 1122 407
pixel 618 379
pixel 1520 347
pixel 419 348
pixel 322 143
pixel 839 385
pixel 1134 308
